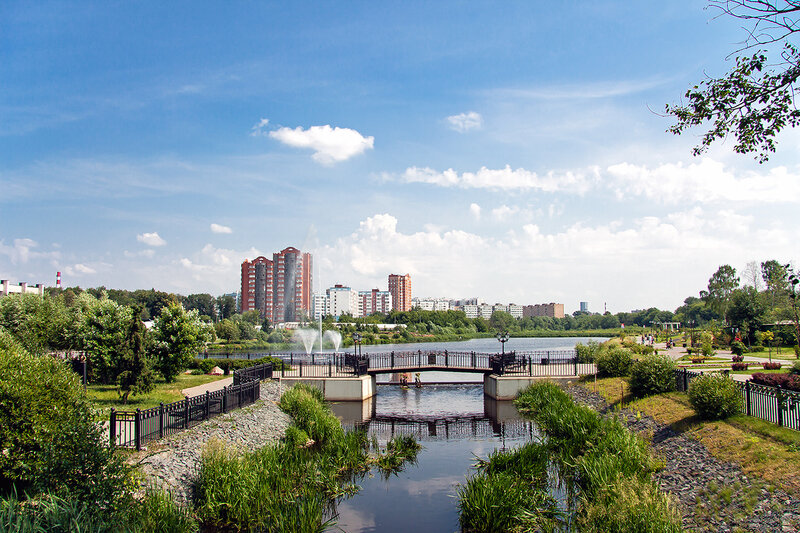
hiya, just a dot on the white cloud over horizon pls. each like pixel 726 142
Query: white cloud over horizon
pixel 464 122
pixel 503 179
pixel 330 145
pixel 218 228
pixel 151 239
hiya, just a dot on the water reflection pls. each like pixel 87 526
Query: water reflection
pixel 454 423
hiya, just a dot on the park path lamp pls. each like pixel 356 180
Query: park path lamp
pixel 503 338
pixel 357 344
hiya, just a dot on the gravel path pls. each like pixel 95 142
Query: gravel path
pixel 172 463
pixel 713 495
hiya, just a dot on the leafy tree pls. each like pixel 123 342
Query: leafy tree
pixel 775 277
pixel 794 296
pixel 40 323
pixel 178 336
pixel 746 310
pixel 502 321
pixel 105 328
pixel 755 100
pixel 204 303
pixel 135 375
pixel 720 288
pixel 226 305
pixel 227 330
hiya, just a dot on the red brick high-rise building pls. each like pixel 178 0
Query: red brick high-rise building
pixel 280 288
pixel 400 289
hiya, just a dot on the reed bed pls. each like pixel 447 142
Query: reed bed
pixel 292 485
pixel 607 467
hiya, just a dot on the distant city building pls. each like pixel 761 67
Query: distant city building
pixel 515 310
pixel 459 304
pixel 374 301
pixel 471 310
pixel 280 289
pixel 400 288
pixel 584 307
pixel 7 288
pixel 341 300
pixel 485 311
pixel 500 307
pixel 431 304
pixel 552 310
pixel 319 304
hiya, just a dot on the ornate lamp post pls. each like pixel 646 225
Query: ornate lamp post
pixel 503 338
pixel 357 344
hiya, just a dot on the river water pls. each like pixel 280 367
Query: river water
pixel 455 423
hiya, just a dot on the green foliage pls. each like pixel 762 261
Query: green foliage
pixel 178 336
pixel 715 396
pixel 653 374
pixel 48 436
pixel 795 368
pixel 40 324
pixel 587 352
pixel 738 348
pixel 105 328
pixel 614 361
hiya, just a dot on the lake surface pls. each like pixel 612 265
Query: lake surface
pixel 454 424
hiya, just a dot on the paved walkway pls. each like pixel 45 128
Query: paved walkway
pixel 210 387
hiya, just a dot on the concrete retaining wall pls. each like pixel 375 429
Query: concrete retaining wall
pixel 338 389
pixel 507 387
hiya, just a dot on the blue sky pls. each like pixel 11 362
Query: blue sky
pixel 514 152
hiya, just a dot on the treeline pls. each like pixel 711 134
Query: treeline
pixel 118 348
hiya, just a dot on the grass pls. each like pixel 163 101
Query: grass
pixel 104 397
pixel 763 449
pixel 757 368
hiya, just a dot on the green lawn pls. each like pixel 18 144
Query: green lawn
pixel 104 397
pixel 787 353
pixel 757 368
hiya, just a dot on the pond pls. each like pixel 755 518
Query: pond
pixel 454 424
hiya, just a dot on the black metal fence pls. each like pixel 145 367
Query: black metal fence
pixel 133 429
pixel 774 404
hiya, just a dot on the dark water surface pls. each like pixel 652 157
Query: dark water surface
pixel 454 424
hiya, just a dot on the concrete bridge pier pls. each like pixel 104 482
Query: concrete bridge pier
pixel 507 387
pixel 338 389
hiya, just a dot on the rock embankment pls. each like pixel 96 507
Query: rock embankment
pixel 172 463
pixel 713 495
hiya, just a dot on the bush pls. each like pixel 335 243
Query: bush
pixel 786 381
pixel 614 362
pixel 586 352
pixel 715 396
pixel 739 366
pixel 48 437
pixel 738 348
pixel 653 375
pixel 795 368
pixel 737 358
pixel 771 366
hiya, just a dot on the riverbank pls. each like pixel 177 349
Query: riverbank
pixel 714 495
pixel 172 463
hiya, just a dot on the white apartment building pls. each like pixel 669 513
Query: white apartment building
pixel 431 304
pixel 341 300
pixel 7 288
pixel 471 310
pixel 319 306
pixel 515 310
pixel 374 301
pixel 485 311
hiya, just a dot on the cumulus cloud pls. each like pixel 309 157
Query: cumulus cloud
pixel 258 129
pixel 21 251
pixel 706 181
pixel 504 179
pixel 475 211
pixel 149 253
pixel 151 239
pixel 504 212
pixel 217 228
pixel 330 145
pixel 463 122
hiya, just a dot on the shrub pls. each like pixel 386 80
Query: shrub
pixel 614 362
pixel 698 360
pixel 715 396
pixel 49 440
pixel 586 352
pixel 205 365
pixel 738 348
pixel 737 358
pixel 771 366
pixel 795 368
pixel 653 375
pixel 739 366
pixel 787 381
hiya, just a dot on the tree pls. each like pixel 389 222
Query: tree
pixel 794 295
pixel 226 305
pixel 746 310
pixel 775 277
pixel 178 336
pixel 720 287
pixel 502 321
pixel 204 303
pixel 135 375
pixel 755 100
pixel 105 328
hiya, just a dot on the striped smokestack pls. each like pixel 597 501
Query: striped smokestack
pixel 58 280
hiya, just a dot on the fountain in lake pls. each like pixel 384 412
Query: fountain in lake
pixel 335 337
pixel 307 337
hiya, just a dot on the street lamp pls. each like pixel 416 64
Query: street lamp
pixel 503 338
pixel 357 344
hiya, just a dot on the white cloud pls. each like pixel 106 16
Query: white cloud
pixel 475 211
pixel 707 181
pixel 24 250
pixel 330 145
pixel 504 212
pixel 149 253
pixel 151 239
pixel 258 129
pixel 463 122
pixel 83 269
pixel 217 228
pixel 504 179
